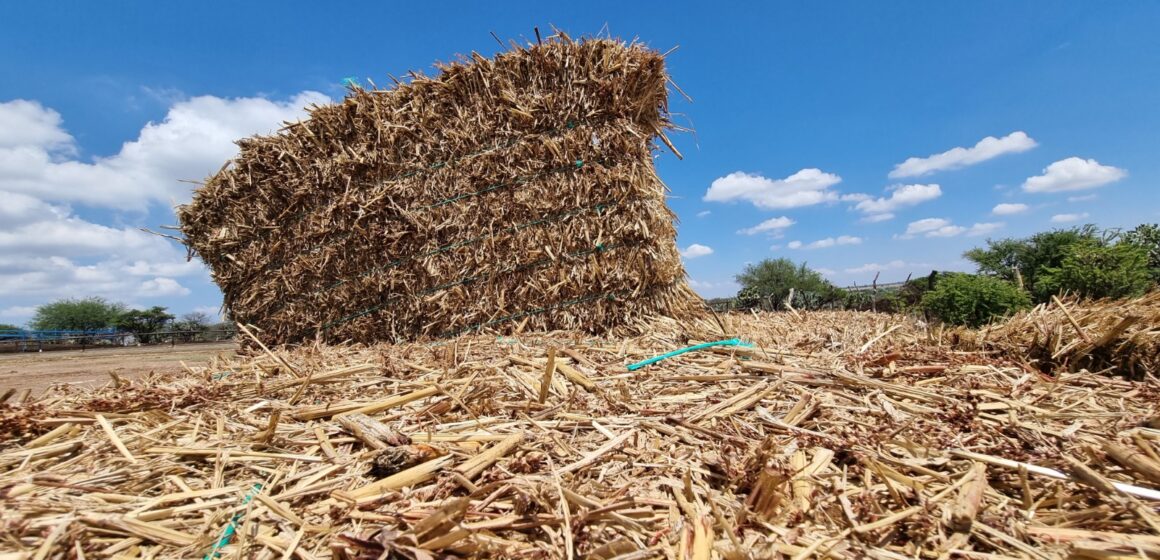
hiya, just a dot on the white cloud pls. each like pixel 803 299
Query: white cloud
pixel 703 213
pixel 926 225
pixel 827 242
pixel 28 123
pixel 1082 198
pixel 1065 218
pixel 193 140
pixel 1006 209
pixel 901 196
pixel 1073 174
pixel 160 287
pixel 774 247
pixel 804 188
pixel 49 250
pixel 875 218
pixel 772 226
pixel 825 271
pixel 696 250
pixel 984 228
pixel 946 231
pixel 855 197
pixel 942 227
pixel 883 267
pixel 955 158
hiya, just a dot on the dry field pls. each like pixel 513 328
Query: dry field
pixel 838 434
pixel 91 367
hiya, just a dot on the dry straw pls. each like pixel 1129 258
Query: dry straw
pixel 840 435
pixel 512 193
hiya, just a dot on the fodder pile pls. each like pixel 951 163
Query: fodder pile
pixel 512 193
pixel 1121 337
pixel 840 435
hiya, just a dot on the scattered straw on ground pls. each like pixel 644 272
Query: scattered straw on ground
pixel 1119 337
pixel 839 434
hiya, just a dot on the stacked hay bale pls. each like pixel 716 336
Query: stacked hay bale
pixel 512 193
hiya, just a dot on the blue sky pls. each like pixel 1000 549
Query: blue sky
pixel 865 136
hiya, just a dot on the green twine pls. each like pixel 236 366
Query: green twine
pixel 667 355
pixel 232 526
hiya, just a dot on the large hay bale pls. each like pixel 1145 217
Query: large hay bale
pixel 510 193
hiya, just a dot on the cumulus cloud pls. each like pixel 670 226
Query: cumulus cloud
pixel 942 227
pixel 194 139
pixel 827 242
pixel 696 250
pixel 1073 174
pixel 1066 218
pixel 773 226
pixel 1006 209
pixel 901 196
pixel 826 271
pixel 955 158
pixel 49 249
pixel 804 188
pixel 883 267
pixel 703 213
pixel 875 218
pixel 984 228
pixel 46 251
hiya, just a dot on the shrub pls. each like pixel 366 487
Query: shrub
pixel 972 300
pixel 1095 270
pixel 771 280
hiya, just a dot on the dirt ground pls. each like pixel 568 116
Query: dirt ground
pixel 38 371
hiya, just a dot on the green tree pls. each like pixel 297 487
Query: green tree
pixel 144 323
pixel 193 321
pixel 1096 270
pixel 7 327
pixel 771 280
pixel 973 300
pixel 1148 237
pixel 77 314
pixel 1024 260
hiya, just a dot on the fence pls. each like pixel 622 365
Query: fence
pixel 25 340
pixel 865 297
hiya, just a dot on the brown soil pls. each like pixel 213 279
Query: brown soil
pixel 37 371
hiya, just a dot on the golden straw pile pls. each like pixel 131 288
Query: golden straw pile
pixel 842 435
pixel 1120 337
pixel 510 193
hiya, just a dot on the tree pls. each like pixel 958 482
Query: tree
pixel 193 321
pixel 973 300
pixel 76 315
pixel 1148 237
pixel 1022 261
pixel 1095 270
pixel 144 323
pixel 7 327
pixel 772 279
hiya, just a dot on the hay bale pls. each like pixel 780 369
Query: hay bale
pixel 1119 336
pixel 512 193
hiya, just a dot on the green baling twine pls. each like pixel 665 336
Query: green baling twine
pixel 703 345
pixel 232 527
